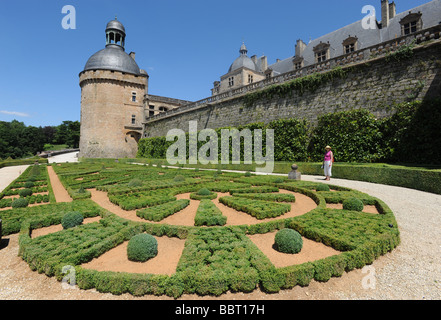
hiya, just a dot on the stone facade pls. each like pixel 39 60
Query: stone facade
pixel 374 84
pixel 111 122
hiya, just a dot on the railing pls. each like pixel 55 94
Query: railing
pixel 375 51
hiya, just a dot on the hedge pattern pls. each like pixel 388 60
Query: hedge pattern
pixel 215 259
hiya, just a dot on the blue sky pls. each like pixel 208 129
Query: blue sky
pixel 184 45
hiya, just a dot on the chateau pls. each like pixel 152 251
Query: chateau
pixel 117 109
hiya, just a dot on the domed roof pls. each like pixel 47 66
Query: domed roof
pixel 243 61
pixel 116 25
pixel 113 57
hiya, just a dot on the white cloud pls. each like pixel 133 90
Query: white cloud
pixel 15 113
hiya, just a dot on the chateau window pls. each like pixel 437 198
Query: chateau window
pixel 151 113
pixel 411 23
pixel 350 44
pixel 250 78
pixel 231 81
pixel 133 96
pixel 321 52
pixel 151 107
pixel 133 119
pixel 297 65
pixel 321 56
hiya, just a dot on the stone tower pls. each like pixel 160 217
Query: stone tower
pixel 112 94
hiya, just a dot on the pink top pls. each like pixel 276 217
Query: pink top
pixel 328 156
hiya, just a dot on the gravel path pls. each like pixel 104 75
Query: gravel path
pixel 412 271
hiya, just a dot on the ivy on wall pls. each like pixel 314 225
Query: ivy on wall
pixel 410 135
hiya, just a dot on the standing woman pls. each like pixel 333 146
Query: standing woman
pixel 327 163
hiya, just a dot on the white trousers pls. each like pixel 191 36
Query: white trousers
pixel 328 169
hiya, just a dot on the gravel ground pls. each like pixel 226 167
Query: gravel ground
pixel 412 271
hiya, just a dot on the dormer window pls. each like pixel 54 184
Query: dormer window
pixel 231 81
pixel 350 45
pixel 298 63
pixel 321 52
pixel 250 78
pixel 411 23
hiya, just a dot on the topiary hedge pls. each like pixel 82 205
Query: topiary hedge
pixel 353 204
pixel 142 247
pixel 288 241
pixel 20 203
pixel 72 219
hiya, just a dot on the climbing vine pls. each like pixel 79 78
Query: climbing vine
pixel 300 85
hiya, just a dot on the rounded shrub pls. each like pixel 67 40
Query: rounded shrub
pixel 20 203
pixel 288 241
pixel 29 184
pixel 203 192
pixel 322 187
pixel 142 247
pixel 353 204
pixel 25 193
pixel 72 219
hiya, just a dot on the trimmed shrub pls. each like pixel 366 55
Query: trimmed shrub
pixel 29 184
pixel 81 190
pixel 72 219
pixel 209 215
pixel 203 192
pixel 25 193
pixel 288 241
pixel 322 187
pixel 160 212
pixel 142 247
pixel 353 204
pixel 257 208
pixel 20 203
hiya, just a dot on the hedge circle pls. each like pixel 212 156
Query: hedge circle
pixel 71 220
pixel 353 204
pixel 142 247
pixel 288 241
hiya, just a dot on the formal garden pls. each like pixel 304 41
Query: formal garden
pixel 152 230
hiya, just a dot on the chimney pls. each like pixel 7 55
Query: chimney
pixel 254 58
pixel 132 55
pixel 392 10
pixel 263 63
pixel 385 13
pixel 300 47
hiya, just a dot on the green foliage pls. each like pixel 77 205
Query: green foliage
pixel 288 241
pixel 179 178
pixel 409 135
pixel 260 189
pixel 20 203
pixel 353 204
pixel 203 192
pixel 162 211
pixel 29 184
pixel 142 247
pixel 25 193
pixel 72 219
pixel 322 187
pixel 209 215
pixel 256 208
pixel 276 197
